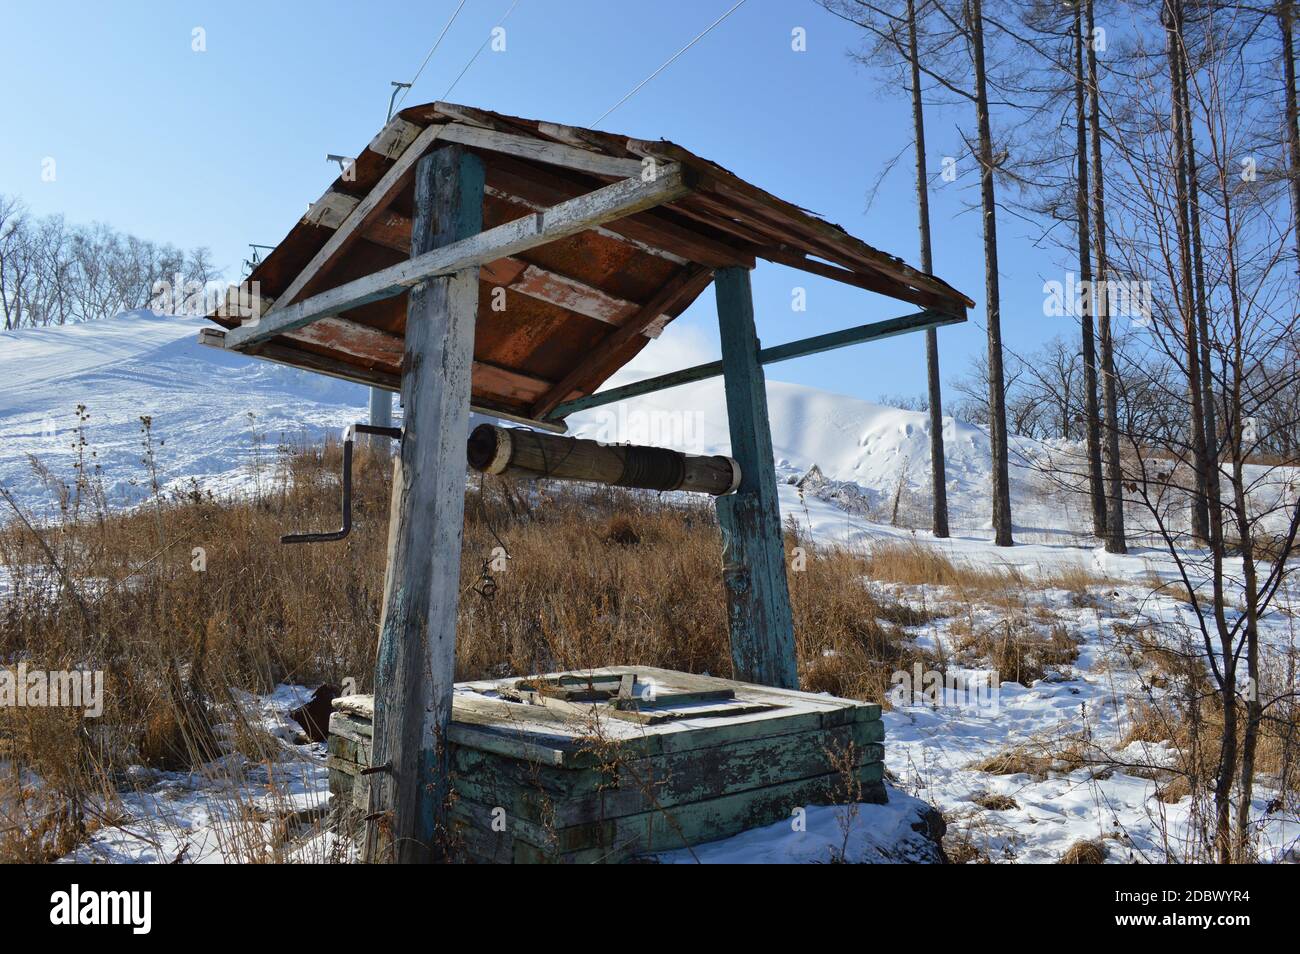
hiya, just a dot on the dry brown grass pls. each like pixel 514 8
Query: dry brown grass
pixel 593 577
pixel 913 564
pixel 1017 649
pixel 1085 853
pixel 995 803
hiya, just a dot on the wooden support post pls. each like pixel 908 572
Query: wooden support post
pixel 417 646
pixel 753 555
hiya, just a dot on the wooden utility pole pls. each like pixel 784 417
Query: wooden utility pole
pixel 938 476
pixel 414 671
pixel 753 554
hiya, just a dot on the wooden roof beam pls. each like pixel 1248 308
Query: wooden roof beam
pixel 647 228
pixel 540 150
pixel 279 353
pixel 682 287
pixel 374 202
pixel 615 201
pixel 393 230
pixel 603 231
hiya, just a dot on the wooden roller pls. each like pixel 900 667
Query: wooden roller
pixel 532 454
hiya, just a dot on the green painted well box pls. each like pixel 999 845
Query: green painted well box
pixel 604 765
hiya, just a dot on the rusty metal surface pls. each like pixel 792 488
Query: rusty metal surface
pixel 547 329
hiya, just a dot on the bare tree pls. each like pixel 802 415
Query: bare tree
pixel 1115 542
pixel 938 479
pixel 894 42
pixel 52 273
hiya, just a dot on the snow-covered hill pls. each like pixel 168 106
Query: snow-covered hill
pixel 215 417
pixel 218 418
pixel 844 464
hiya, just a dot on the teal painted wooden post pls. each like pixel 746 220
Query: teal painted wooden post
pixel 753 554
pixel 415 663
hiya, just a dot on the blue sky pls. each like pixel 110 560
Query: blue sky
pixel 227 146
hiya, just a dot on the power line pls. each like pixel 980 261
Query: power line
pixel 481 48
pixel 670 61
pixel 433 49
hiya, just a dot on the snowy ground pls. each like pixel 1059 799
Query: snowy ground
pixel 871 461
pixel 215 417
pixel 236 809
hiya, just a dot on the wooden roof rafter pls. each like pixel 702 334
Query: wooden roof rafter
pixel 600 239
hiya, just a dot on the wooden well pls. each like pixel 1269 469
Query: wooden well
pixel 604 765
pixel 510 266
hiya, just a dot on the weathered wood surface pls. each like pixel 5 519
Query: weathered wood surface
pixel 759 616
pixel 683 288
pixel 642 785
pixel 335 368
pixel 417 647
pixel 525 453
pixel 526 147
pixel 371 205
pixel 531 168
pixel 393 230
pixel 573 785
pixel 617 839
pixel 507 808
pixel 567 218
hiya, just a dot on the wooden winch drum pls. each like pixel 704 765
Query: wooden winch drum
pixel 532 454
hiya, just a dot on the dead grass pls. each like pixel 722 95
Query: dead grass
pixel 1018 650
pixel 995 803
pixel 189 598
pixel 1007 587
pixel 1085 853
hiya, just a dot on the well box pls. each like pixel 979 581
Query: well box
pixel 607 764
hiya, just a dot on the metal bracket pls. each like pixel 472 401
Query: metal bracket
pixel 393 432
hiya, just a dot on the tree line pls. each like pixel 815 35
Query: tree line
pixel 1154 146
pixel 56 273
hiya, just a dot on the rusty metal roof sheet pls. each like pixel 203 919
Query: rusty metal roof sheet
pixel 548 322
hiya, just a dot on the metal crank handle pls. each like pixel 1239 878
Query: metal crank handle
pixel 348 435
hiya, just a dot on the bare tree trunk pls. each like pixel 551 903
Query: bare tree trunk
pixel 1286 22
pixel 1109 397
pixel 1198 265
pixel 1173 17
pixel 1092 424
pixel 1254 708
pixel 992 308
pixel 938 478
pixel 1245 532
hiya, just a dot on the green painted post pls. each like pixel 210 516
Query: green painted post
pixel 753 555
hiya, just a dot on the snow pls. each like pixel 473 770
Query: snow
pixel 226 811
pixel 862 834
pixel 217 418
